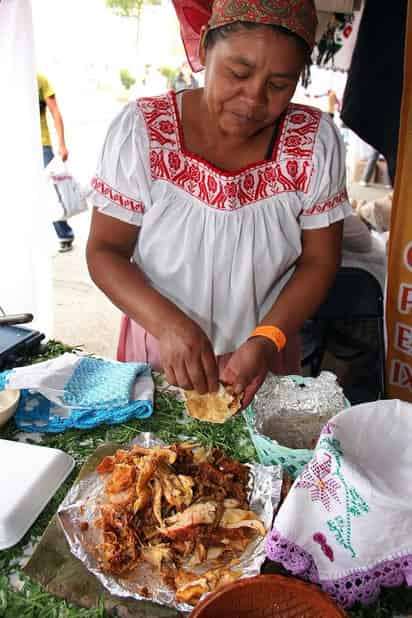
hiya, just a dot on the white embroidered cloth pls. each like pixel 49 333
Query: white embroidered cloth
pixel 347 521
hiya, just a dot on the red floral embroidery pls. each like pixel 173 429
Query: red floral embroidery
pixel 290 170
pixel 293 140
pixel 231 189
pixel 166 127
pixel 114 196
pixel 211 184
pixel 174 161
pixel 160 105
pixel 320 538
pixel 194 173
pixel 329 204
pixel 249 181
pixel 269 174
pixel 153 158
pixel 297 118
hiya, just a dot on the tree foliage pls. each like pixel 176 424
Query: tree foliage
pixel 129 8
pixel 126 78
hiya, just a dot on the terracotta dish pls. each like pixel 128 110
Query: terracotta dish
pixel 268 596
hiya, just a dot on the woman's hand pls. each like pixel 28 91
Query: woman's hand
pixel 248 366
pixel 187 358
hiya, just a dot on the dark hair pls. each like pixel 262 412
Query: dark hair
pixel 223 32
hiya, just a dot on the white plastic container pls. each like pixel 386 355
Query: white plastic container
pixel 29 477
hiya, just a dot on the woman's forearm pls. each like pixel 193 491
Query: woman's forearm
pixel 126 286
pixel 302 296
pixel 314 274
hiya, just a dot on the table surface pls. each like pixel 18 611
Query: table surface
pixel 20 596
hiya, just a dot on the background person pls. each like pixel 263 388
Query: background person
pixel 218 211
pixel 333 104
pixel 185 78
pixel 47 99
pixel 370 168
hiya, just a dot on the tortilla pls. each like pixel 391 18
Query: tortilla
pixel 213 407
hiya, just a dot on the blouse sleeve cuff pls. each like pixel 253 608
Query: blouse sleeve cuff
pixel 323 214
pixel 118 205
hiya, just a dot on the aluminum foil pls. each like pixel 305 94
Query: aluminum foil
pixel 81 506
pixel 293 410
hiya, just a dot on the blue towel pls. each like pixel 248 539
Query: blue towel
pixel 78 391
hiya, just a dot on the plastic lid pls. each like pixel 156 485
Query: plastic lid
pixel 29 477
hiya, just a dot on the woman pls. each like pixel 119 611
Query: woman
pixel 225 206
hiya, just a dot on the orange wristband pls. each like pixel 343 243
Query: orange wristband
pixel 273 333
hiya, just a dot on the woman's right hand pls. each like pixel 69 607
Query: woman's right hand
pixel 187 358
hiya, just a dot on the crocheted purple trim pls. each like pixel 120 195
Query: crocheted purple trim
pixel 362 586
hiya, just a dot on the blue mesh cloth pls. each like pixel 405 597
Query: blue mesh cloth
pixel 99 384
pixel 97 392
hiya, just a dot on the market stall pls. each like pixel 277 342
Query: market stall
pixel 52 580
pixel 40 575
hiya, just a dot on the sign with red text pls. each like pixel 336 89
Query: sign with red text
pixel 399 290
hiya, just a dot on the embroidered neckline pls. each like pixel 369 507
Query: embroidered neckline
pixel 217 170
pixel 290 169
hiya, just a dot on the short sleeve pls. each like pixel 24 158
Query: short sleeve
pixel 326 200
pixel 44 87
pixel 121 185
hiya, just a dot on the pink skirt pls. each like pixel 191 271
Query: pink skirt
pixel 136 344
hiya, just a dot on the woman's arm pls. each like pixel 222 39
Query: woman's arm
pixel 299 300
pixel 307 288
pixel 185 351
pixel 58 123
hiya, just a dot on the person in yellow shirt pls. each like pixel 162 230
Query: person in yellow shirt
pixel 47 100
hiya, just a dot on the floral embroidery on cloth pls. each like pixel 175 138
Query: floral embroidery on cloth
pixel 290 169
pixel 324 485
pixel 346 523
pixel 318 479
pixel 114 196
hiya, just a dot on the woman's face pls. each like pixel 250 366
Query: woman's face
pixel 250 78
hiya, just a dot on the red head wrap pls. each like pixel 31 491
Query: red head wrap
pixel 298 16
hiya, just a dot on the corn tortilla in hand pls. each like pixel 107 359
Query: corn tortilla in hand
pixel 213 407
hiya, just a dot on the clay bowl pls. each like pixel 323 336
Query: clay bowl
pixel 268 596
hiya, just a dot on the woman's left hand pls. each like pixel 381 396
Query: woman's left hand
pixel 248 366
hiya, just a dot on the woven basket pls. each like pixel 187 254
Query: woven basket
pixel 268 596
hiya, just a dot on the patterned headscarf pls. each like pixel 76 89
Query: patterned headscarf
pixel 298 16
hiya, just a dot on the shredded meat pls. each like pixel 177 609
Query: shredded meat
pixel 175 508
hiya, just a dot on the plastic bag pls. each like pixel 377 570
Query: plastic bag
pixel 71 198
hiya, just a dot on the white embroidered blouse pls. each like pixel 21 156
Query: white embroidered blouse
pixel 220 245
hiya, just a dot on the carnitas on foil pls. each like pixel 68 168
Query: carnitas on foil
pixel 171 523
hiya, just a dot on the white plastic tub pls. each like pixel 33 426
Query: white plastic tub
pixel 29 477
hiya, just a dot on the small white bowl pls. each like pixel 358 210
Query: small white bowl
pixel 9 400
